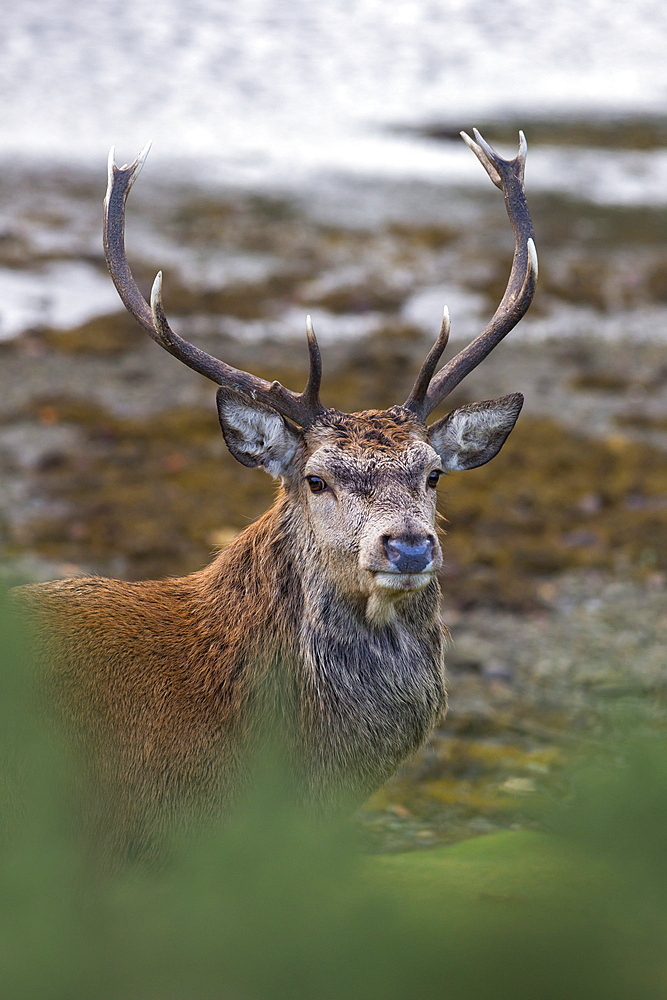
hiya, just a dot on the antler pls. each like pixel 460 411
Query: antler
pixel 429 390
pixel 302 408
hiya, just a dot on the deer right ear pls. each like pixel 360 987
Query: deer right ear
pixel 255 434
pixel 473 434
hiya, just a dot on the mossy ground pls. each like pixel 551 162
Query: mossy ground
pixel 134 484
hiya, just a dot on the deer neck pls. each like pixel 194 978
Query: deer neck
pixel 339 681
pixel 252 582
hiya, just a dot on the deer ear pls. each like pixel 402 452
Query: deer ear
pixel 255 434
pixel 473 434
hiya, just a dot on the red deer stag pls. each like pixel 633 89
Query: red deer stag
pixel 328 607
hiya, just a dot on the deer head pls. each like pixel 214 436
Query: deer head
pixel 362 485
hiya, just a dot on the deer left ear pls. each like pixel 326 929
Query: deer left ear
pixel 473 434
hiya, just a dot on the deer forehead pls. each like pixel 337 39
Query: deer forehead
pixel 376 430
pixel 361 451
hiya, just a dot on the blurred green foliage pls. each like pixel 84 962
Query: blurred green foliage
pixel 275 906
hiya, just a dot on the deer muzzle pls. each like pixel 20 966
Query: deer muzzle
pixel 402 562
pixel 409 554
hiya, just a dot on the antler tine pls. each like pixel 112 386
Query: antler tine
pixel 302 408
pixel 508 176
pixel 415 400
pixel 311 394
pixel 120 180
pixel 205 364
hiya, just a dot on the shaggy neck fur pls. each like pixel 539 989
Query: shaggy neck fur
pixel 360 696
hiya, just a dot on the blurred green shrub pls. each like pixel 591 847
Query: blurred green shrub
pixel 275 906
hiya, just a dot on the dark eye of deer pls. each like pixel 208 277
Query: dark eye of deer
pixel 433 478
pixel 316 484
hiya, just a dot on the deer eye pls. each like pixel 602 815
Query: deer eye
pixel 433 478
pixel 316 484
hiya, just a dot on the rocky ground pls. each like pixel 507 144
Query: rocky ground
pixel 555 577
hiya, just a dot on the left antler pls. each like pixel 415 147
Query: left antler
pixel 303 408
pixel 429 390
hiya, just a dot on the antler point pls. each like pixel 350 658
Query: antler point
pixel 468 141
pixel 141 159
pixel 532 255
pixel 445 325
pixel 310 333
pixel 111 173
pixel 156 291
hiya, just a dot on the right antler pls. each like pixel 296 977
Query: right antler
pixel 429 390
pixel 303 408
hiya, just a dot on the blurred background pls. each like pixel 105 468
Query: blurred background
pixel 306 158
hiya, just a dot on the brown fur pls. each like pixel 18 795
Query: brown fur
pixel 167 686
pixel 379 430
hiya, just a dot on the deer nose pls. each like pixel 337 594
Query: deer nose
pixel 409 554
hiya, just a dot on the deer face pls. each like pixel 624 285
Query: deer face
pixel 368 488
pixel 365 483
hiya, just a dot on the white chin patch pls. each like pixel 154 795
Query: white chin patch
pixel 388 589
pixel 402 583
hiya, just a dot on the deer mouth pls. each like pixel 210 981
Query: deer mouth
pixel 402 564
pixel 402 583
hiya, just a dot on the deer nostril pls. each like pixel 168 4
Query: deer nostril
pixel 409 554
